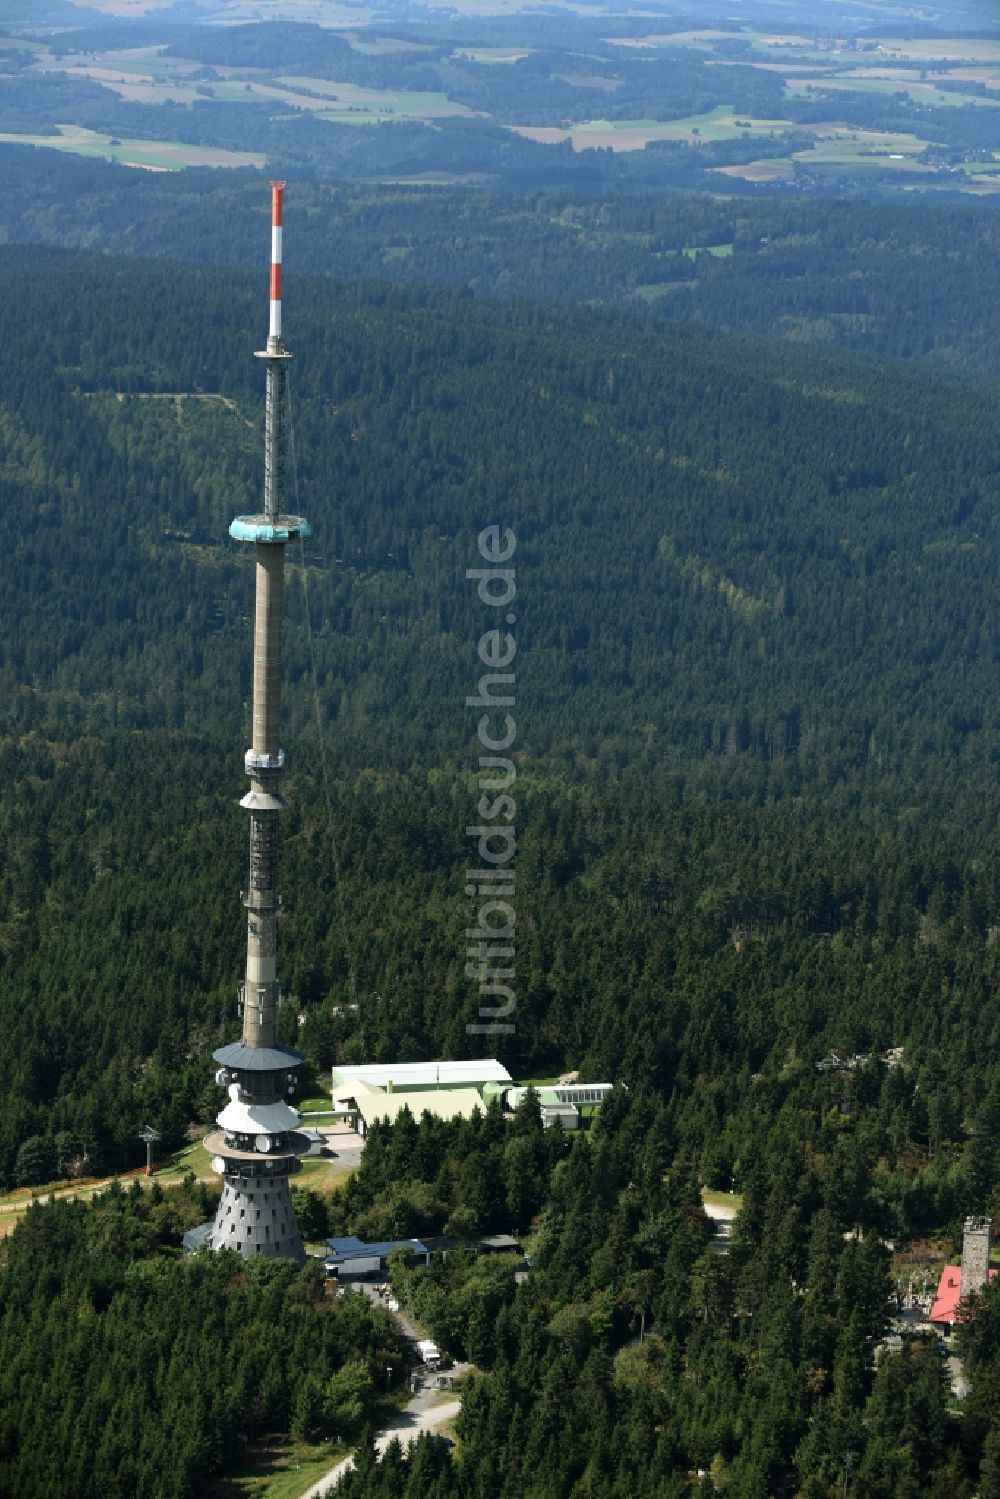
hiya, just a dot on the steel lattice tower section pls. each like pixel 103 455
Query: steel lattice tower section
pixel 257 1144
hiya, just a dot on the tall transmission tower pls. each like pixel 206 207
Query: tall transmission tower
pixel 257 1144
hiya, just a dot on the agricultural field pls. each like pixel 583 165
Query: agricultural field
pixel 877 81
pixel 840 151
pixel 343 102
pixel 875 66
pixel 154 156
pixel 718 124
pixel 860 109
pixel 124 9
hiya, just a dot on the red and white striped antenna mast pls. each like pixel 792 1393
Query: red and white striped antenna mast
pixel 277 215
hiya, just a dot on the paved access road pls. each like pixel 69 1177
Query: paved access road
pixel 420 1415
pixel 402 1321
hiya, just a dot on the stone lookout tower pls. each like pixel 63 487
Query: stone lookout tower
pixel 976 1242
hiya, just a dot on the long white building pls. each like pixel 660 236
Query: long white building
pixel 449 1090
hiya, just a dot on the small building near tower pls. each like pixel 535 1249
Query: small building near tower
pixel 349 1257
pixel 959 1281
pixel 561 1101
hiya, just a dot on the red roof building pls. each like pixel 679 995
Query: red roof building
pixel 944 1309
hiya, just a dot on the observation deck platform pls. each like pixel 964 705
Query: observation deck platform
pixel 297 1144
pixel 274 529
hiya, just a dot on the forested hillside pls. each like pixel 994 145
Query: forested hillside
pixel 759 1378
pixel 912 280
pixel 756 816
pixel 756 661
pixel 128 1372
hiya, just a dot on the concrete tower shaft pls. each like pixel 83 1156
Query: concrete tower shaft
pixel 261 993
pixel 265 759
pixel 266 745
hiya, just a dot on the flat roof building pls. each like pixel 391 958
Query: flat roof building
pixel 448 1090
pixel 562 1101
pixel 408 1075
pixel 451 1090
pixel 351 1256
pixel 443 1103
pixel 348 1255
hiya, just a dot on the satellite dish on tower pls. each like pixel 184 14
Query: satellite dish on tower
pixel 263 1142
pixel 218 1165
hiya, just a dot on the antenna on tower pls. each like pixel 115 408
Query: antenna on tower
pixel 277 224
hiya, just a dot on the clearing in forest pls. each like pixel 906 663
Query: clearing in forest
pixel 155 156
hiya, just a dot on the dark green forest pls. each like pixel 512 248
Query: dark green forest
pixel 756 819
pixel 129 1372
pixel 760 1376
pixel 908 280
pixel 757 689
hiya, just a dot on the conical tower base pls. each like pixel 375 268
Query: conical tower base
pixel 256 1219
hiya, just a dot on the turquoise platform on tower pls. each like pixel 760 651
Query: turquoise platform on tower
pixel 262 528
